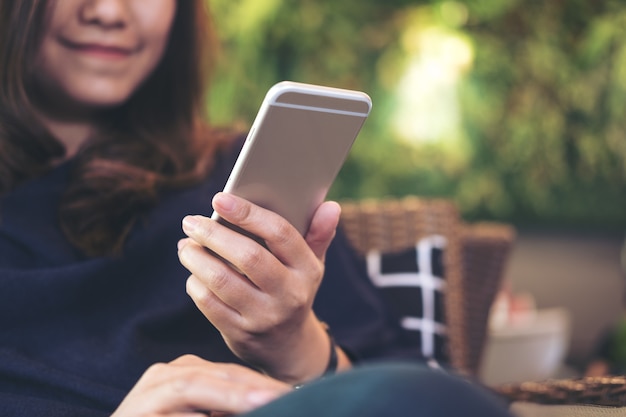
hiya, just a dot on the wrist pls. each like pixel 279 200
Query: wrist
pixel 333 358
pixel 303 357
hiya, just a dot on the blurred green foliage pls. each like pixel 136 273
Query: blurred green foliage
pixel 519 107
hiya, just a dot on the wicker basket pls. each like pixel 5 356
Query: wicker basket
pixel 474 260
pixel 485 250
pixel 607 391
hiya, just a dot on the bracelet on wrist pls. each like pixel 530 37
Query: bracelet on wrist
pixel 333 360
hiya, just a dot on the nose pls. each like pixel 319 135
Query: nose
pixel 106 13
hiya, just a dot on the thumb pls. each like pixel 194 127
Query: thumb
pixel 323 228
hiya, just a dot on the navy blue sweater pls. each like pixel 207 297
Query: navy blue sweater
pixel 76 333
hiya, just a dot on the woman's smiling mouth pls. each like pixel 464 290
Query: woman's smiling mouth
pixel 100 50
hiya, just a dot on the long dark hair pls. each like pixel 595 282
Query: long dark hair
pixel 154 141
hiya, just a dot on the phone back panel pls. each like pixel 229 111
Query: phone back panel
pixel 296 148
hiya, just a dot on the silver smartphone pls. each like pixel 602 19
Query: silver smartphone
pixel 295 148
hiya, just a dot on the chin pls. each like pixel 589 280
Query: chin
pixel 99 95
pixel 102 102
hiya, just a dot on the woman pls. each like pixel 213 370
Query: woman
pixel 102 153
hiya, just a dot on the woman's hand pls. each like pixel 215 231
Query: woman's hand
pixel 190 386
pixel 261 298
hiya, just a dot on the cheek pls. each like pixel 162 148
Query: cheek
pixel 154 19
pixel 154 24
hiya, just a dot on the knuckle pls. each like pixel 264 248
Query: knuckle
pixel 218 279
pixel 252 327
pixel 282 233
pixel 187 359
pixel 318 270
pixel 241 212
pixel 181 385
pixel 272 319
pixel 252 257
pixel 230 370
pixel 299 298
pixel 156 369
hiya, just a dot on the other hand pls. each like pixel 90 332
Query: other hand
pixel 191 386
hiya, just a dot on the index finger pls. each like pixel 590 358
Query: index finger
pixel 279 236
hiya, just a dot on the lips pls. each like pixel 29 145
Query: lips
pixel 101 50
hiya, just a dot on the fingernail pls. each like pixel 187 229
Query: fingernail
pixel 190 223
pixel 193 288
pixel 181 243
pixel 224 201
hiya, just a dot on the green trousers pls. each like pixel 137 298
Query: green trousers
pixel 387 390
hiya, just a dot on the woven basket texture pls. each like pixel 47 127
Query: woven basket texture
pixel 474 260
